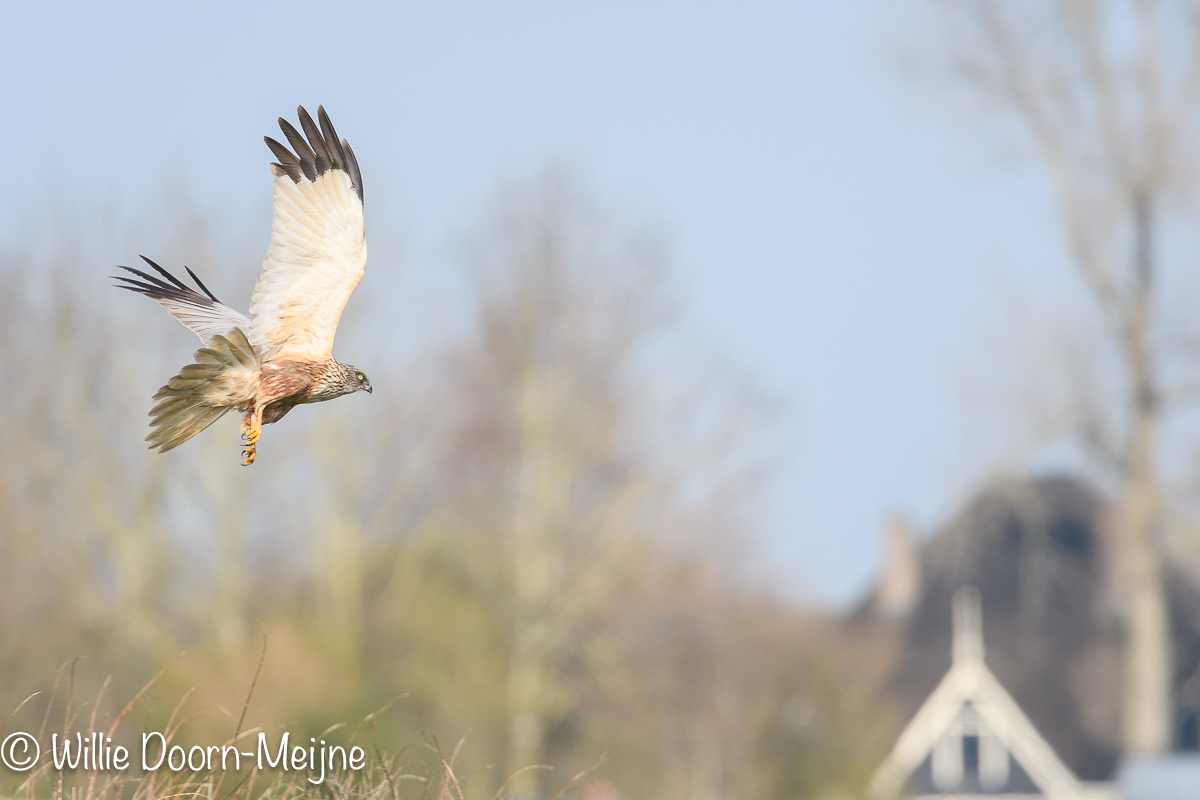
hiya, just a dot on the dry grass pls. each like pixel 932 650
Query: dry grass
pixel 417 771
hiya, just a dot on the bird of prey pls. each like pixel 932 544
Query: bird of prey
pixel 282 354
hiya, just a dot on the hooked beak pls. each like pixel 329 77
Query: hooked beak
pixel 368 388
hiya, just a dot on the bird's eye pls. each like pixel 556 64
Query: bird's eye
pixel 361 378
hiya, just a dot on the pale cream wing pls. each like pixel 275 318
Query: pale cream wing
pixel 318 246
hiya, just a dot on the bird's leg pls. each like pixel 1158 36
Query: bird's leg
pixel 252 425
pixel 251 430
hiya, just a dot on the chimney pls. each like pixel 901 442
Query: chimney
pixel 901 580
pixel 968 625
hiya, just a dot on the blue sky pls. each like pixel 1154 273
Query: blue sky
pixel 836 233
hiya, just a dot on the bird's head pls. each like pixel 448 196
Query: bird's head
pixel 356 379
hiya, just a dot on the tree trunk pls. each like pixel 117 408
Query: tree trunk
pixel 1147 712
pixel 537 524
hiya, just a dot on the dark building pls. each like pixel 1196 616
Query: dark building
pixel 1040 554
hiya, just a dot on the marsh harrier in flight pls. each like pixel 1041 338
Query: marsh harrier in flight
pixel 282 354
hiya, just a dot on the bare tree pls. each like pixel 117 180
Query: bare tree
pixel 1108 93
pixel 562 311
pixel 82 522
pixel 562 432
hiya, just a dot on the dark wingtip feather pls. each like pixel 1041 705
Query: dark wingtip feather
pixel 321 152
pixel 355 175
pixel 331 139
pixel 282 153
pixel 156 289
pixel 200 283
pixel 146 284
pixel 308 159
pixel 287 162
pixel 315 141
pixel 164 273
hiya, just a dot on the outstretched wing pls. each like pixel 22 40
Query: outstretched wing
pixel 318 247
pixel 204 314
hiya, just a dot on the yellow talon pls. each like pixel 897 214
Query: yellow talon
pixel 251 436
pixel 248 456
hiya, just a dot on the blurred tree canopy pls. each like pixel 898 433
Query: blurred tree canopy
pixel 538 530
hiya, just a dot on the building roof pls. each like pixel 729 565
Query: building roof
pixel 1039 552
pixel 971 739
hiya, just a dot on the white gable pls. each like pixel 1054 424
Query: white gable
pixel 968 730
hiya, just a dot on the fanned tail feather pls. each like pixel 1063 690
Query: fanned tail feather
pixel 189 402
